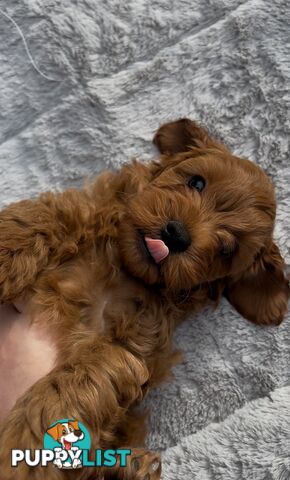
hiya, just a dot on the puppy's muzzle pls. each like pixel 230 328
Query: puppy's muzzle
pixel 175 236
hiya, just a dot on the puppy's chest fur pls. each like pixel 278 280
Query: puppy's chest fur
pixel 141 320
pixel 133 315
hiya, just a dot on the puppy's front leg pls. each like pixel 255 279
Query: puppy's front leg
pixel 96 384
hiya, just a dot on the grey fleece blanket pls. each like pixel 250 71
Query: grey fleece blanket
pixel 120 70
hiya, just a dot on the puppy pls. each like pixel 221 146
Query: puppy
pixel 108 272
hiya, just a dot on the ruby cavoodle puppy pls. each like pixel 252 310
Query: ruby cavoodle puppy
pixel 104 275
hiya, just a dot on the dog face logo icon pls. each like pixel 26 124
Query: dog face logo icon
pixel 68 438
pixel 66 433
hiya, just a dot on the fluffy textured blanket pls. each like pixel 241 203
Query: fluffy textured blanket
pixel 121 69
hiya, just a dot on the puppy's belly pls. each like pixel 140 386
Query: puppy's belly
pixel 25 356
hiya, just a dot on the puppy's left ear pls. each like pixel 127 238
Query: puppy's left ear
pixel 181 136
pixel 261 294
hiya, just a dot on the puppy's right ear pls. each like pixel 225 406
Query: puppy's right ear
pixel 181 136
pixel 261 294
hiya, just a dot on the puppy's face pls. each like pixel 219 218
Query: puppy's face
pixel 201 214
pixel 212 213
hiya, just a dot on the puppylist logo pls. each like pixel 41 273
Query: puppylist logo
pixel 67 444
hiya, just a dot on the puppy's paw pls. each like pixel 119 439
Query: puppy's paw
pixel 144 466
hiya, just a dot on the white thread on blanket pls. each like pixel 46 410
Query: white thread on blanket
pixel 27 48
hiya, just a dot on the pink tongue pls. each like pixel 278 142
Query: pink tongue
pixel 157 248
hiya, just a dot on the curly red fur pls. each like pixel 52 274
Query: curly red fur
pixel 79 261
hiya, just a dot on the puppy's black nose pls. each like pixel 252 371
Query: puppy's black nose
pixel 78 433
pixel 175 236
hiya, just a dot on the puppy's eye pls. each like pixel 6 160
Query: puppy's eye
pixel 197 182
